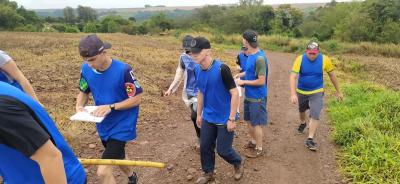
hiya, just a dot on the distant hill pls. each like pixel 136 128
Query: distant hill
pixel 144 13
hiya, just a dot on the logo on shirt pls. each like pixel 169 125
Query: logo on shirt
pixel 83 85
pixel 132 75
pixel 130 89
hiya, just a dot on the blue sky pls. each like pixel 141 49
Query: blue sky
pixel 51 4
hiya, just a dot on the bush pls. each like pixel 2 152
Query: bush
pixel 26 28
pixel 90 28
pixel 72 29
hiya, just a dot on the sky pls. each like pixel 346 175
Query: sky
pixel 59 4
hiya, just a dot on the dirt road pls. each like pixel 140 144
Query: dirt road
pixel 170 138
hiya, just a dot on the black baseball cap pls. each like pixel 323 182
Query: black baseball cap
pixel 186 41
pixel 91 45
pixel 198 44
pixel 251 37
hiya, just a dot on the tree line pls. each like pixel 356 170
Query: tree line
pixel 369 20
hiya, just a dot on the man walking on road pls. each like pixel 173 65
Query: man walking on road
pixel 309 94
pixel 117 94
pixel 255 84
pixel 217 104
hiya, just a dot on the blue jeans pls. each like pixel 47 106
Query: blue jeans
pixel 216 135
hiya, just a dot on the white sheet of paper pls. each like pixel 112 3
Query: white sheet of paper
pixel 86 116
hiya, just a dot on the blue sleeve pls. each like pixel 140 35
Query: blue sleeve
pixel 132 85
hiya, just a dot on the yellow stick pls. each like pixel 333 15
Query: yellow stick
pixel 120 162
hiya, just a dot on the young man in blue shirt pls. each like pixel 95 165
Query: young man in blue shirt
pixel 185 71
pixel 216 108
pixel 32 150
pixel 255 83
pixel 117 94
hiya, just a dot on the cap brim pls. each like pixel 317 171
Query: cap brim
pixel 107 45
pixel 312 51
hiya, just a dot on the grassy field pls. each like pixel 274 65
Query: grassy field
pixel 297 45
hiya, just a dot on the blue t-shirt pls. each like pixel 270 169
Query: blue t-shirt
pixel 114 85
pixel 256 92
pixel 17 168
pixel 216 97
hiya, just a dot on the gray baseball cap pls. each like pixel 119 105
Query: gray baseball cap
pixel 91 45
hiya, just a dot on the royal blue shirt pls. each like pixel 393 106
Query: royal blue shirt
pixel 216 97
pixel 16 168
pixel 116 84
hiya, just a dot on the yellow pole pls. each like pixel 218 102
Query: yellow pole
pixel 121 162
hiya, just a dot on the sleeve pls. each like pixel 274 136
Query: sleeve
pixel 18 129
pixel 328 66
pixel 83 85
pixel 132 85
pixel 4 58
pixel 180 71
pixel 227 78
pixel 238 60
pixel 296 65
pixel 261 66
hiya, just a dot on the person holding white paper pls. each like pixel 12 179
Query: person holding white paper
pixel 117 95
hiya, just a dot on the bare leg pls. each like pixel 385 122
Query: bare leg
pixel 105 172
pixel 313 127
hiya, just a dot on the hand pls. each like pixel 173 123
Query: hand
pixel 102 111
pixel 240 82
pixel 167 93
pixel 339 95
pixel 199 121
pixel 80 109
pixel 231 126
pixel 294 99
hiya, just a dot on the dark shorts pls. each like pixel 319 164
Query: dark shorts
pixel 255 111
pixel 314 102
pixel 114 149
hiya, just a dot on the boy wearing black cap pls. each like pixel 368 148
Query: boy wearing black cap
pixel 185 71
pixel 216 108
pixel 309 94
pixel 255 84
pixel 117 94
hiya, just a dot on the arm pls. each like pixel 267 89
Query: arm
pixel 11 69
pixel 199 108
pixel 81 101
pixel 293 93
pixel 335 83
pixel 177 79
pixel 261 71
pixel 51 163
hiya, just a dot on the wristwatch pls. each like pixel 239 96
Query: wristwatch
pixel 112 106
pixel 231 119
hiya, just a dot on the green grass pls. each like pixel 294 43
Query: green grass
pixel 297 45
pixel 367 127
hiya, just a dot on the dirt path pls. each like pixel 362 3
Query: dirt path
pixel 170 140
